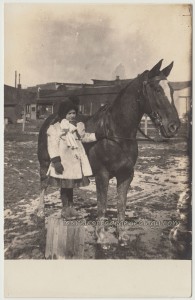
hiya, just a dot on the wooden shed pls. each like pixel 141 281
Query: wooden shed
pixel 92 97
pixel 12 107
pixel 16 101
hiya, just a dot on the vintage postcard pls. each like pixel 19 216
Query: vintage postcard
pixel 97 150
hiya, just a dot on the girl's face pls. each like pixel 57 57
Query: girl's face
pixel 71 115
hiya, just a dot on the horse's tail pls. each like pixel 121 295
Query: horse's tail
pixel 42 151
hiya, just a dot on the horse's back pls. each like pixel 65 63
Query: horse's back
pixel 97 121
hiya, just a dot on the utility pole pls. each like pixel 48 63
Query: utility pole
pixel 91 109
pixel 23 102
pixel 24 118
pixel 146 125
pixel 15 79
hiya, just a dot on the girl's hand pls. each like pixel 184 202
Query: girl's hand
pixel 64 131
pixel 81 129
pixel 58 167
pixel 72 128
pixel 57 164
pixel 65 125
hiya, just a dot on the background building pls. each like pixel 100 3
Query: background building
pixel 17 102
pixel 42 100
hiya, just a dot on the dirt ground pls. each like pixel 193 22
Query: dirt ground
pixel 161 175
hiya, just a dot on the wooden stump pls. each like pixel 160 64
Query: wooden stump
pixel 64 241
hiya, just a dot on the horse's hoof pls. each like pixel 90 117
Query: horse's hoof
pixel 123 240
pixel 103 245
pixel 101 237
pixel 123 243
pixel 106 246
pixel 40 212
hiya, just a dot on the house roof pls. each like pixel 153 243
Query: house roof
pixel 53 86
pixel 180 85
pixel 45 86
pixel 27 97
pixel 84 91
pixel 10 95
pixel 105 88
pixel 110 82
pixel 14 96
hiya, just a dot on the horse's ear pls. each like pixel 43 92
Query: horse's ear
pixel 155 70
pixel 166 71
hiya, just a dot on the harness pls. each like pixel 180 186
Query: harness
pixel 154 116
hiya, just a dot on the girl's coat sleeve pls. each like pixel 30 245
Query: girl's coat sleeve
pixel 53 142
pixel 85 137
pixel 88 138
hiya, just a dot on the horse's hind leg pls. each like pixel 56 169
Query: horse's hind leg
pixel 41 205
pixel 123 182
pixel 44 184
pixel 102 181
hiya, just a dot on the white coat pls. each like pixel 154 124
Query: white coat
pixel 65 140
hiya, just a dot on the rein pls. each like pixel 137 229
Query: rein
pixel 145 135
pixel 112 138
pixel 154 116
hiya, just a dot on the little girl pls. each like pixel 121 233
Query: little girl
pixel 69 165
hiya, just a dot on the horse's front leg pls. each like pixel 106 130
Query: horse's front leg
pixel 41 205
pixel 102 181
pixel 123 182
pixel 44 184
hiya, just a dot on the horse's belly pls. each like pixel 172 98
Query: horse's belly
pixel 112 157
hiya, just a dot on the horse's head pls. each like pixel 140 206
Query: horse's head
pixel 159 103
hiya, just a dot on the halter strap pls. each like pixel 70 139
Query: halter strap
pixel 153 114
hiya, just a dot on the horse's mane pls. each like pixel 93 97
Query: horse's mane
pixel 103 110
pixel 122 92
pixel 100 112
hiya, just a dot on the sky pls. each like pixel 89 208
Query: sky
pixel 79 42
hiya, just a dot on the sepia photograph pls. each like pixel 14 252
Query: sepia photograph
pixel 97 131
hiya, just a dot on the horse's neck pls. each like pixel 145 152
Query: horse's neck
pixel 126 111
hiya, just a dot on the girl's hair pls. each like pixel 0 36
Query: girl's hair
pixel 65 107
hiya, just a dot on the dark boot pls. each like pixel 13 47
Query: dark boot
pixel 66 197
pixel 68 211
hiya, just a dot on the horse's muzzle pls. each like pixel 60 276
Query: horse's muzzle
pixel 170 129
pixel 173 127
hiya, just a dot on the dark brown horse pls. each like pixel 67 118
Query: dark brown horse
pixel 115 154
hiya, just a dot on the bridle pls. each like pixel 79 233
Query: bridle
pixel 154 115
